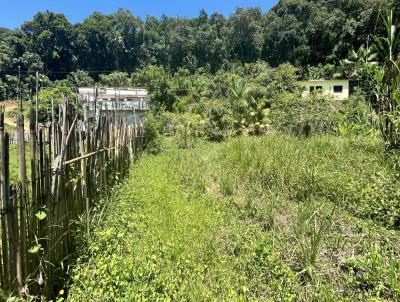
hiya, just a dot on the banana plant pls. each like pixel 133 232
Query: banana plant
pixel 358 62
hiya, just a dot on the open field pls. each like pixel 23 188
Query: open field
pixel 275 218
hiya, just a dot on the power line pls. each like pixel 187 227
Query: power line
pixel 49 71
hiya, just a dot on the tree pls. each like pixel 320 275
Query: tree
pixel 80 78
pixel 246 35
pixel 53 38
pixel 115 79
pixel 96 45
pixel 157 82
pixel 126 40
pixel 285 38
pixel 357 62
pixel 180 44
pixel 152 50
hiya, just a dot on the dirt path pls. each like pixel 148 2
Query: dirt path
pixel 10 106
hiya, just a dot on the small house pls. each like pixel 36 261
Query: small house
pixel 339 89
pixel 132 103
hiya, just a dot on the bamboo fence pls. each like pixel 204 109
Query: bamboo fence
pixel 72 163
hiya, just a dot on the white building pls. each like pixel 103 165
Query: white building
pixel 340 89
pixel 132 102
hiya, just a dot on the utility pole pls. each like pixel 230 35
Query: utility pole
pixel 19 89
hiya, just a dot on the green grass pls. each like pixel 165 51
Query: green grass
pixel 254 219
pixel 14 163
pixel 26 105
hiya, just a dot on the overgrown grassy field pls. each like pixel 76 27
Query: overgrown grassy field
pixel 274 218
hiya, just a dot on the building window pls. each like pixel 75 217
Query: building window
pixel 312 88
pixel 337 89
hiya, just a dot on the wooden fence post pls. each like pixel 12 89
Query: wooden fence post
pixel 21 252
pixel 3 198
pixel 9 209
pixel 32 222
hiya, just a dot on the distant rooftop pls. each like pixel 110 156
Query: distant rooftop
pixel 105 92
pixel 323 80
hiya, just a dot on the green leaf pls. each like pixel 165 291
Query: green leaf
pixel 40 215
pixel 34 249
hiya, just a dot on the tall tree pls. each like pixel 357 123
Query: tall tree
pixel 152 49
pixel 53 38
pixel 96 43
pixel 127 39
pixel 245 34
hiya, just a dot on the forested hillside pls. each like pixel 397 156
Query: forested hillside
pixel 301 32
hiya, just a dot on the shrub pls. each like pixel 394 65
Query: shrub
pixel 358 118
pixel 152 139
pixel 185 127
pixel 80 78
pixel 55 94
pixel 219 120
pixel 315 114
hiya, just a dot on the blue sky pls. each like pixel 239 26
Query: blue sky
pixel 14 12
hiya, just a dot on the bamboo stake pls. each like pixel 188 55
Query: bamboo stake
pixel 3 187
pixel 10 219
pixel 59 160
pixel 32 219
pixel 15 242
pixel 37 102
pixel 21 260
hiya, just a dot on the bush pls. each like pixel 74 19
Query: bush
pixel 158 84
pixel 358 118
pixel 219 120
pixel 80 78
pixel 55 94
pixel 185 127
pixel 315 114
pixel 152 139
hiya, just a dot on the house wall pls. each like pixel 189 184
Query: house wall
pixel 327 87
pixel 130 103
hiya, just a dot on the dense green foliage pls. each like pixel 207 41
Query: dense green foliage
pixel 377 66
pixel 301 32
pixel 50 99
pixel 251 99
pixel 253 219
pixel 386 81
pixel 309 212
